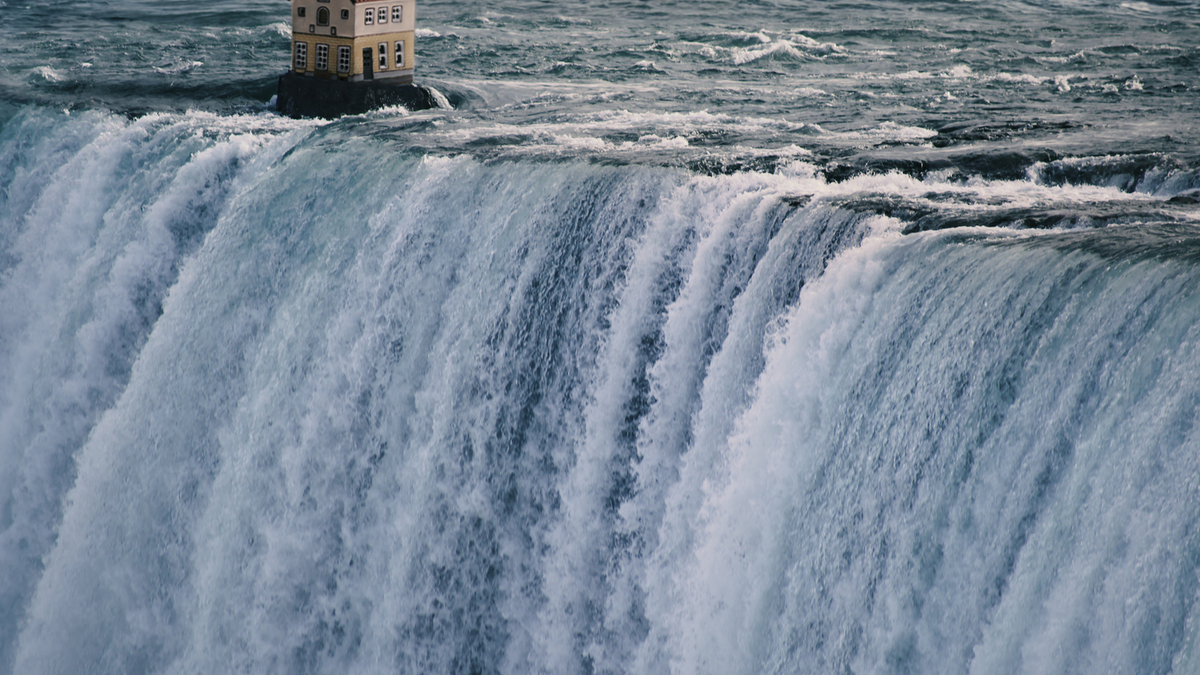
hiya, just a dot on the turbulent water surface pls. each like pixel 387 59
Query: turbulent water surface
pixel 758 337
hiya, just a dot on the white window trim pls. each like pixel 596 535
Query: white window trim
pixel 344 58
pixel 382 59
pixel 369 17
pixel 382 15
pixel 397 13
pixel 300 56
pixel 398 61
pixel 322 61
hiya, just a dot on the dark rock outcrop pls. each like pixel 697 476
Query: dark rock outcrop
pixel 303 96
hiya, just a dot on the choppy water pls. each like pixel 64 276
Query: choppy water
pixel 862 337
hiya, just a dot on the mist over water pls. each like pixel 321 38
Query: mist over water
pixel 682 340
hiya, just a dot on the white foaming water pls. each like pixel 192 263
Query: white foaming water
pixel 95 248
pixel 290 399
pixel 916 493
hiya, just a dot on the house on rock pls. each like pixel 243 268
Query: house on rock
pixel 354 40
pixel 351 56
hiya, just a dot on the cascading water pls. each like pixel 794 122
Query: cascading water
pixel 771 337
pixel 562 416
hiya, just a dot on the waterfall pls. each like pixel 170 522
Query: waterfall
pixel 279 396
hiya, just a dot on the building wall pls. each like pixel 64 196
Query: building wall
pixel 408 23
pixel 357 34
pixel 356 61
pixel 333 42
pixel 355 25
pixel 373 41
pixel 303 24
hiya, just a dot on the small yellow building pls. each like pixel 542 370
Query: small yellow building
pixel 354 40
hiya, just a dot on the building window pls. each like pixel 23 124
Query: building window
pixel 312 27
pixel 383 15
pixel 399 60
pixel 345 14
pixel 368 16
pixel 397 13
pixel 322 16
pixel 343 59
pixel 322 57
pixel 382 56
pixel 301 55
pixel 300 11
pixel 333 30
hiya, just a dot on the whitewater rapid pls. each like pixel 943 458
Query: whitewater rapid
pixel 278 397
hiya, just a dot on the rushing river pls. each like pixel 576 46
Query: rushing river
pixel 861 337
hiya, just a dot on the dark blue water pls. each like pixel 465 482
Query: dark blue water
pixel 767 337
